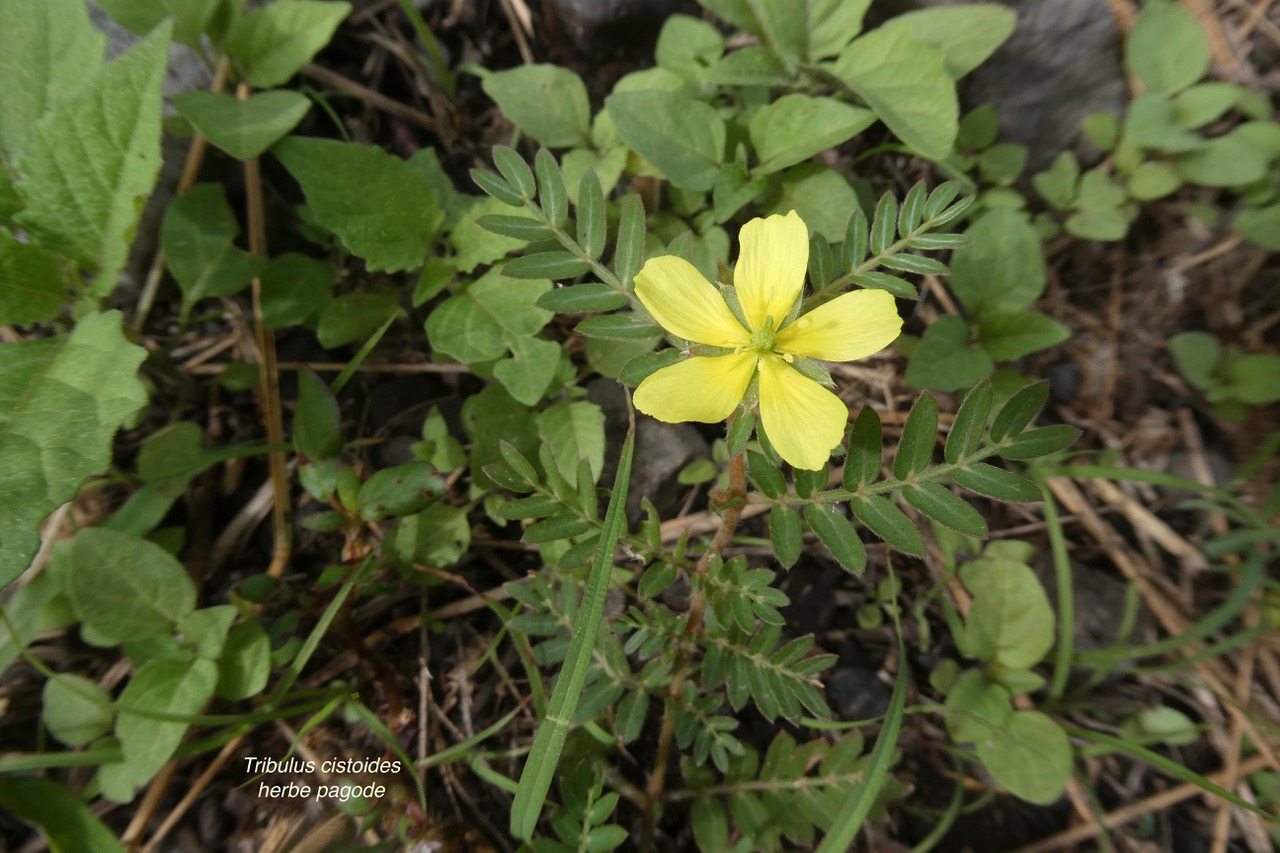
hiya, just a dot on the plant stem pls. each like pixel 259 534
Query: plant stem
pixel 735 500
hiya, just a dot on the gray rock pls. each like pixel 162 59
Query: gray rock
pixel 856 693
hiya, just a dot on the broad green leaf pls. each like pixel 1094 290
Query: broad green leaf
pixel 354 316
pixel 76 709
pixel 819 194
pixel 1197 355
pixel 124 588
pixel 1153 180
pixel 575 431
pixel 796 29
pixel 190 17
pixel 63 818
pixel 682 137
pixel 494 416
pixel 1057 184
pixel 272 43
pixel 205 630
pixel 1260 226
pixel 400 490
pixel 113 127
pixel 438 536
pixel 688 46
pixel 1009 335
pixel 33 282
pixel 547 102
pixel 197 236
pixel 483 320
pixel 317 422
pixel 943 359
pixel 967 35
pixel 1205 103
pixel 164 686
pixel 295 290
pixel 838 534
pixel 37 606
pixel 381 209
pixel 1149 123
pixel 530 370
pixel 61 402
pixel 243 129
pixel 795 127
pixel 976 707
pixel 1011 621
pixel 46 50
pixel 475 244
pixel 1002 269
pixel 1227 161
pixel 1166 49
pixel 1030 755
pixel 245 663
pixel 905 82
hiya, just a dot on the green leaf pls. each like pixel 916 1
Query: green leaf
pixel 945 508
pixel 687 45
pixel 243 128
pixel 33 282
pixel 581 299
pixel 1031 756
pixel 353 317
pixel 1204 103
pixel 970 423
pixel 1057 184
pixel 544 757
pixel 993 482
pixel 547 102
pixel 245 663
pixel 1011 622
pixel 197 236
pixel 683 138
pixel 575 431
pixel 766 475
pixel 1227 161
pixel 76 710
pixel 905 82
pixel 486 318
pixel 295 289
pixel 1002 268
pixel 380 208
pixel 966 35
pixel 866 448
pixel 976 707
pixel 1197 355
pixel 1166 49
pixel 944 361
pixel 1255 379
pixel 205 630
pixel 889 523
pixel 629 253
pixel 61 402
pixel 517 172
pixel 592 230
pixel 160 686
pixel 838 534
pixel 785 534
pixel 1153 180
pixel 557 265
pixel 401 490
pixel 1035 443
pixel 1009 335
pixel 530 370
pixel 623 326
pixel 1019 410
pixel 317 422
pixel 274 42
pixel 190 17
pixel 795 127
pixel 113 126
pixel 919 434
pixel 124 588
pixel 1260 226
pixel 819 194
pixel 63 818
pixel 46 50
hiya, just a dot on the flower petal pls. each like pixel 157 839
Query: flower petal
pixel 703 388
pixel 770 271
pixel 848 327
pixel 686 304
pixel 803 420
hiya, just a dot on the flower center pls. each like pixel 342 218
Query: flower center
pixel 762 339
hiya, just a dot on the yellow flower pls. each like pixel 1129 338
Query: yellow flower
pixel 803 420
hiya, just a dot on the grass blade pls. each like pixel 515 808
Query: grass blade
pixel 540 766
